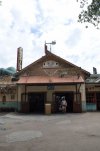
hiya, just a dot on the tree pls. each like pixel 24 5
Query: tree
pixel 91 14
pixel 0 2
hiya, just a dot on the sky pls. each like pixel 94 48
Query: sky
pixel 29 23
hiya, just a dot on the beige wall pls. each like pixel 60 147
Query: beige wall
pixel 56 88
pixel 65 88
pixel 36 88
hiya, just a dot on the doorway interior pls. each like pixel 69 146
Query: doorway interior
pixel 98 100
pixel 69 96
pixel 36 102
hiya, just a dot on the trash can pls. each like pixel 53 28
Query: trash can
pixel 47 108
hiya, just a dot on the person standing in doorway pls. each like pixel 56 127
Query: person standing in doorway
pixel 64 104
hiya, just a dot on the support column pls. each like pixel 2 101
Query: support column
pixel 83 97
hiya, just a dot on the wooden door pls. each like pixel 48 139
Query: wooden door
pixel 24 103
pixel 77 105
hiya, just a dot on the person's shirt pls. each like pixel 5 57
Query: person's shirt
pixel 64 102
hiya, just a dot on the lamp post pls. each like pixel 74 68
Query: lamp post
pixel 51 43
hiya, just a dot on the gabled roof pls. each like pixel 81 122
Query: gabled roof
pixel 48 54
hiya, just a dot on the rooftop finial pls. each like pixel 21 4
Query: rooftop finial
pixel 51 43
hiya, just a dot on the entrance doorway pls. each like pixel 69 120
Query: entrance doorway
pixel 36 102
pixel 69 97
pixel 98 100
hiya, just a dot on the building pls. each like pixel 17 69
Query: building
pixel 93 92
pixel 50 78
pixel 45 82
pixel 8 93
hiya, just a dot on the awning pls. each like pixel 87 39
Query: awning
pixel 48 80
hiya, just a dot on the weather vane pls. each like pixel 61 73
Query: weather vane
pixel 50 43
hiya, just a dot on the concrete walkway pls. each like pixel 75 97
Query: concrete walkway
pixel 63 132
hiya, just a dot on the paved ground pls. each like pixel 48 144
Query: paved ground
pixel 65 132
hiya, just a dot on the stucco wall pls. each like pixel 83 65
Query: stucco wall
pixel 83 97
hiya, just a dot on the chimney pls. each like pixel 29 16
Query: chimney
pixel 94 70
pixel 19 58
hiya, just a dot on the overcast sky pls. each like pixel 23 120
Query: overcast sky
pixel 29 23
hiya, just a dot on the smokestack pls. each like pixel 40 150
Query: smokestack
pixel 94 70
pixel 19 58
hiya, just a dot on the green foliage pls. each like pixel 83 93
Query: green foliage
pixel 0 2
pixel 91 14
pixel 7 71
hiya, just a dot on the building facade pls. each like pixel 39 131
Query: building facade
pixel 46 81
pixel 93 92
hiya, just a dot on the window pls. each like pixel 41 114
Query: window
pixel 12 97
pixel 90 98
